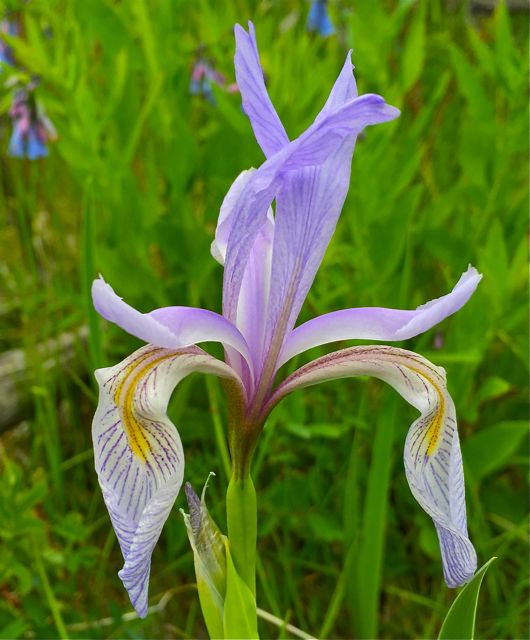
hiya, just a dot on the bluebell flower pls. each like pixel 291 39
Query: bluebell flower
pixel 31 128
pixel 318 19
pixel 203 76
pixel 9 27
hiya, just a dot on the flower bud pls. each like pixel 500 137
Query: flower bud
pixel 209 554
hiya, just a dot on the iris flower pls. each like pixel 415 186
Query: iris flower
pixel 270 259
pixel 318 19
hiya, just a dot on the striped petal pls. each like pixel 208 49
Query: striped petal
pixel 268 129
pixel 320 141
pixel 254 294
pixel 433 462
pixel 225 219
pixel 319 160
pixel 138 453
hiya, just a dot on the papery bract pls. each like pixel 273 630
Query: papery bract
pixel 209 557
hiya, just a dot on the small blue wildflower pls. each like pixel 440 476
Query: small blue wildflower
pixel 31 128
pixel 202 77
pixel 318 19
pixel 6 53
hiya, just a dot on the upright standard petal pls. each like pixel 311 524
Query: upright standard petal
pixel 226 218
pixel 323 139
pixel 378 323
pixel 254 294
pixel 433 462
pixel 330 138
pixel 267 126
pixel 344 89
pixel 170 327
pixel 308 206
pixel 138 452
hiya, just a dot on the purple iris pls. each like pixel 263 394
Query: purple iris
pixel 270 258
pixel 318 19
pixel 31 128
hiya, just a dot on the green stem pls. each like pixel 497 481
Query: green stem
pixel 241 514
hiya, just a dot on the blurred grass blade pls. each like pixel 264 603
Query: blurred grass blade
pixel 414 50
pixel 366 574
pixel 504 438
pixel 459 623
pixel 87 275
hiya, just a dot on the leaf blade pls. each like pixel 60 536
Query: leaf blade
pixel 459 623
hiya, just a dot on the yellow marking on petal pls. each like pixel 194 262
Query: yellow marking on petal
pixel 124 375
pixel 434 429
pixel 132 375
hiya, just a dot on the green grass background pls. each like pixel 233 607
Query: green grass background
pixel 132 189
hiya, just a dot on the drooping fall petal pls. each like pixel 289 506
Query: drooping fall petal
pixel 378 323
pixel 138 452
pixel 432 457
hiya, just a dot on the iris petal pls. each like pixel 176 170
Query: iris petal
pixel 432 457
pixel 138 452
pixel 312 170
pixel 308 207
pixel 170 327
pixel 225 219
pixel 344 89
pixel 254 294
pixel 377 323
pixel 319 143
pixel 265 122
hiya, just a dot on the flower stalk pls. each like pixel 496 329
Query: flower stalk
pixel 270 257
pixel 241 517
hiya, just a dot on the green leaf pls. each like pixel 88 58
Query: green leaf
pixel 242 527
pixel 14 629
pixel 506 54
pixel 490 449
pixel 494 263
pixel 88 273
pixel 459 623
pixel 240 604
pixel 492 388
pixel 414 51
pixel 470 86
pixel 365 575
